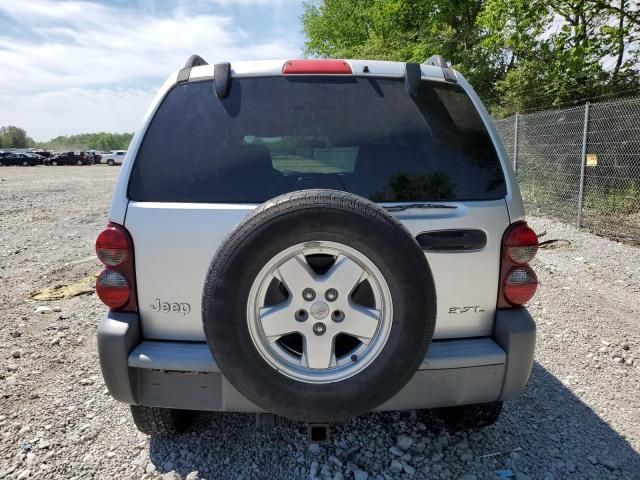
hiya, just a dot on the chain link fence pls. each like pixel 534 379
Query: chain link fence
pixel 580 165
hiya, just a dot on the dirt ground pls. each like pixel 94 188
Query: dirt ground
pixel 579 416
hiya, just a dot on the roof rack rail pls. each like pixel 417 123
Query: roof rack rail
pixel 195 61
pixel 439 61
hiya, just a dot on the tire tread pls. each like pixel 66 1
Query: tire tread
pixel 160 421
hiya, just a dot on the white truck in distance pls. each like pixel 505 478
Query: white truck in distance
pixel 115 157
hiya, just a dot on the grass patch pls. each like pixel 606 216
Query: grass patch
pixel 624 201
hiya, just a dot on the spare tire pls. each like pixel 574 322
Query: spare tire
pixel 319 306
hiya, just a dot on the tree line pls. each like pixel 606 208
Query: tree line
pixel 89 141
pixel 16 137
pixel 520 55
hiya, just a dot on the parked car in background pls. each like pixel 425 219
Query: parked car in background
pixel 115 157
pixel 13 158
pixel 95 155
pixel 37 157
pixel 41 152
pixel 69 158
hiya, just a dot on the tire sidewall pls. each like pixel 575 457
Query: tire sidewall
pixel 395 254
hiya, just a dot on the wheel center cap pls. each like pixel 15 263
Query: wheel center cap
pixel 319 309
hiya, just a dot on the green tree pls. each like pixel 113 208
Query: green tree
pixel 560 52
pixel 402 30
pixel 14 137
pixel 90 141
pixel 518 54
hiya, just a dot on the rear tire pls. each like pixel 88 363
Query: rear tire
pixel 161 421
pixel 468 417
pixel 342 225
pixel 111 163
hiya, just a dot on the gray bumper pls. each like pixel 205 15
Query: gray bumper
pixel 185 375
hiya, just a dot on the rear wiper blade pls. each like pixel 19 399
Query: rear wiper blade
pixel 399 208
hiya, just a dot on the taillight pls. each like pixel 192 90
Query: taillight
pixel 116 284
pixel 520 285
pixel 518 282
pixel 317 66
pixel 520 244
pixel 112 246
pixel 113 289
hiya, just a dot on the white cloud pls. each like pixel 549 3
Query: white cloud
pixel 112 54
pixel 76 110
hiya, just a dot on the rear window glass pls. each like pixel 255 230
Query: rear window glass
pixel 274 135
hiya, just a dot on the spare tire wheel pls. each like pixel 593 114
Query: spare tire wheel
pixel 319 306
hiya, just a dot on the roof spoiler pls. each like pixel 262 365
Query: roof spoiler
pixel 439 61
pixel 412 78
pixel 222 79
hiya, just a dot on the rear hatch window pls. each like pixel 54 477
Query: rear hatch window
pixel 274 135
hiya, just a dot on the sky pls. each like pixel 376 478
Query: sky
pixel 69 67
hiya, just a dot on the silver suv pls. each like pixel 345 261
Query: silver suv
pixel 316 239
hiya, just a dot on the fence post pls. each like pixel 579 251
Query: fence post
pixel 583 157
pixel 515 144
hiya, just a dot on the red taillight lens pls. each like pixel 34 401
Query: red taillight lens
pixel 113 289
pixel 521 244
pixel 316 66
pixel 112 245
pixel 116 284
pixel 520 285
pixel 518 282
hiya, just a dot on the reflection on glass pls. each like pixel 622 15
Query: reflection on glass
pixel 274 135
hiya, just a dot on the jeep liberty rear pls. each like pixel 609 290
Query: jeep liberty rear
pixel 315 239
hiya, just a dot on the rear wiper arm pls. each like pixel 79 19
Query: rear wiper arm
pixel 399 208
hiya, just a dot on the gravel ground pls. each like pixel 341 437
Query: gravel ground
pixel 578 418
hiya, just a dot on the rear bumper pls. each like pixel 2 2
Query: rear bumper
pixel 185 375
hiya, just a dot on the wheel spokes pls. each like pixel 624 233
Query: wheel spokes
pixel 344 275
pixel 318 351
pixel 296 274
pixel 278 321
pixel 361 322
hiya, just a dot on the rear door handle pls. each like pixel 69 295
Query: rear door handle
pixel 463 240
